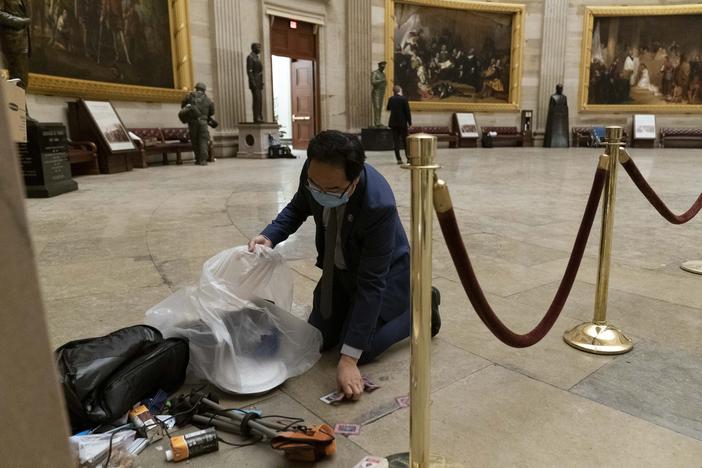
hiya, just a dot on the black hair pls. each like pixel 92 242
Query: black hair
pixel 338 149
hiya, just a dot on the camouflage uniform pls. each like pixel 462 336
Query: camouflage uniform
pixel 14 37
pixel 199 133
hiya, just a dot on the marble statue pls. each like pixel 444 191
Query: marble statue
pixel 254 69
pixel 379 82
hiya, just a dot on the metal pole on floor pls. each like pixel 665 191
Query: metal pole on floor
pixel 599 336
pixel 693 266
pixel 421 149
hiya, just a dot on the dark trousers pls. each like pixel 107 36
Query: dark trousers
pixel 399 137
pixel 17 63
pixel 200 138
pixel 334 328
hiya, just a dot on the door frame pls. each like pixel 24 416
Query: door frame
pixel 273 13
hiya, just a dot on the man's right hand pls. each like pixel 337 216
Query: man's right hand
pixel 262 240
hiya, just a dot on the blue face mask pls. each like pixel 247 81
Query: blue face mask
pixel 329 200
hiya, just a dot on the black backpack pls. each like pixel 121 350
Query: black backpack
pixel 104 377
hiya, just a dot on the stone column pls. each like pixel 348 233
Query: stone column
pixel 34 419
pixel 231 85
pixel 553 55
pixel 359 66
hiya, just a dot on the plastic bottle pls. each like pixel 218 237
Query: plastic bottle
pixel 193 444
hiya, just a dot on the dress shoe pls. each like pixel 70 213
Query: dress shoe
pixel 435 317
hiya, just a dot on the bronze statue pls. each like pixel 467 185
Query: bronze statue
pixel 197 110
pixel 15 45
pixel 379 83
pixel 254 68
pixel 557 121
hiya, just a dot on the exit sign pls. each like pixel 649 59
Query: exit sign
pixel 293 24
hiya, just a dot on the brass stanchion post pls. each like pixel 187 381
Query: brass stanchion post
pixel 692 266
pixel 421 149
pixel 599 336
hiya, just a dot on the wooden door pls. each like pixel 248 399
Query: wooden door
pixel 303 118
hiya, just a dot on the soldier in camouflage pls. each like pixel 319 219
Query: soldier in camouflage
pixel 200 112
pixel 15 19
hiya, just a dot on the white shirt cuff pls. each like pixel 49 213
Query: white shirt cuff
pixel 351 351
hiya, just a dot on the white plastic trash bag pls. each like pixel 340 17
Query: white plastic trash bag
pixel 243 338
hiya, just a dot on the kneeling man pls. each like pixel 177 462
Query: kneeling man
pixel 363 298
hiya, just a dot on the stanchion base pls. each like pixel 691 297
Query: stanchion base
pixel 598 338
pixel 693 266
pixel 401 460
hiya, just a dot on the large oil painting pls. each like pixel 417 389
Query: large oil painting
pixel 643 59
pixel 453 55
pixel 127 44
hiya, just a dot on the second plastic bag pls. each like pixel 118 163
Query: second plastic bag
pixel 243 338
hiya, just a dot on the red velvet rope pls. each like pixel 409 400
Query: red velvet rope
pixel 655 200
pixel 457 248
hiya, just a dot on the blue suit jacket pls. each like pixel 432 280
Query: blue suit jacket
pixel 374 244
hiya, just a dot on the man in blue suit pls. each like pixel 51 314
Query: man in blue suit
pixel 363 298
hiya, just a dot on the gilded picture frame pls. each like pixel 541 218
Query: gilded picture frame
pixel 509 101
pixel 181 60
pixel 646 91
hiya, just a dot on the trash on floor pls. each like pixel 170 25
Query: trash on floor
pixel 242 336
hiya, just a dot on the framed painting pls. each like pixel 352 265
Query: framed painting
pixel 135 50
pixel 455 55
pixel 642 59
pixel 110 125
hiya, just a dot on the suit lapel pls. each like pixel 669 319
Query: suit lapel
pixel 352 209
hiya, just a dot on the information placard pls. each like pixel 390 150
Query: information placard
pixel 466 125
pixel 644 127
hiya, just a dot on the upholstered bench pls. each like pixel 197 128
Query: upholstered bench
pixel 442 134
pixel 506 136
pixel 681 137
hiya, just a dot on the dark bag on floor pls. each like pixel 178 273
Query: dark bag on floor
pixel 102 378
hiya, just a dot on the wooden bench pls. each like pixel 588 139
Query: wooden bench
pixel 442 134
pixel 681 137
pixel 82 155
pixel 506 136
pixel 163 141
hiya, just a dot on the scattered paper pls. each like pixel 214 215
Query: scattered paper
pixel 403 401
pixel 347 429
pixel 332 398
pixel 372 462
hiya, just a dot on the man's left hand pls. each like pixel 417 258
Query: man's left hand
pixel 349 377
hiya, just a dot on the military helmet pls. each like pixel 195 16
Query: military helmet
pixel 201 85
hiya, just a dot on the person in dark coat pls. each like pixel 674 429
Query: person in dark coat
pixel 201 116
pixel 557 121
pixel 362 301
pixel 400 120
pixel 15 47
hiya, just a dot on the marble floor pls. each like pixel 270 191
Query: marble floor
pixel 123 242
